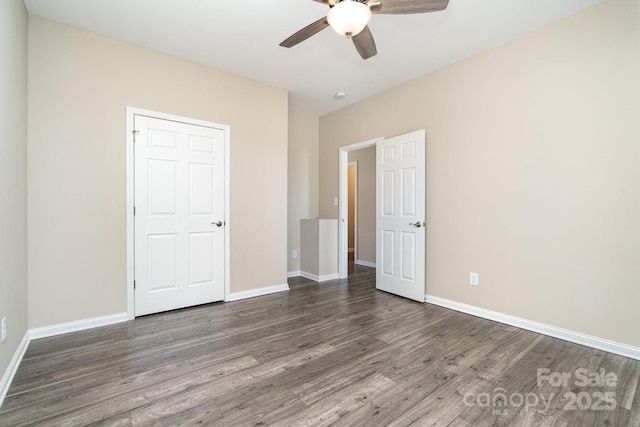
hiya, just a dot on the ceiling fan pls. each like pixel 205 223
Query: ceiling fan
pixel 349 18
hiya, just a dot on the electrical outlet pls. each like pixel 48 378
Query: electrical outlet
pixel 294 254
pixel 335 201
pixel 474 279
pixel 4 328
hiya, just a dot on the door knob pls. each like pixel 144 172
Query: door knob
pixel 416 224
pixel 219 223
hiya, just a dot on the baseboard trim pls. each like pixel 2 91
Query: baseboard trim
pixel 317 278
pixel 11 370
pixel 78 325
pixel 235 296
pixel 291 274
pixel 366 263
pixel 541 328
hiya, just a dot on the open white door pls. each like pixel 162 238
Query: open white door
pixel 400 212
pixel 179 214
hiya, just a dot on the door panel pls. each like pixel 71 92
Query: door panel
pixel 201 189
pixel 388 253
pixel 388 196
pixel 163 262
pixel 401 215
pixel 162 187
pixel 179 200
pixel 408 245
pixel 408 185
pixel 201 252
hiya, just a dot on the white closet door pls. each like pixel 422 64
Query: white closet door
pixel 179 215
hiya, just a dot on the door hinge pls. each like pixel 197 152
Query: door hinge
pixel 135 132
pixel 134 284
pixel 134 211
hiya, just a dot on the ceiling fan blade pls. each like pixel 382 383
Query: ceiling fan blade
pixel 306 32
pixel 364 43
pixel 398 7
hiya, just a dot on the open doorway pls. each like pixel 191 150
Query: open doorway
pixel 352 225
pixel 364 209
pixel 400 239
pixel 362 227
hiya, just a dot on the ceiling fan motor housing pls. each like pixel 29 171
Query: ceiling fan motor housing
pixel 349 17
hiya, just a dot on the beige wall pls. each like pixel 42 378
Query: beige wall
pixel 303 178
pixel 366 158
pixel 79 87
pixel 13 175
pixel 532 171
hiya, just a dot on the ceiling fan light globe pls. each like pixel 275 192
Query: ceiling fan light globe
pixel 349 17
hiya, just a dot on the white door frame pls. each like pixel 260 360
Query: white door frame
pixel 343 197
pixel 131 112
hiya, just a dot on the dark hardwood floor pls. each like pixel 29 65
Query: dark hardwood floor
pixel 338 353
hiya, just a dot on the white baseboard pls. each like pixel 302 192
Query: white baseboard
pixel 78 325
pixel 366 263
pixel 541 328
pixel 235 296
pixel 7 378
pixel 291 274
pixel 317 278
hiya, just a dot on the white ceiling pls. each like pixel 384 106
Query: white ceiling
pixel 242 36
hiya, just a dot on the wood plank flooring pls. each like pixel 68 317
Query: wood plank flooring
pixel 336 353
